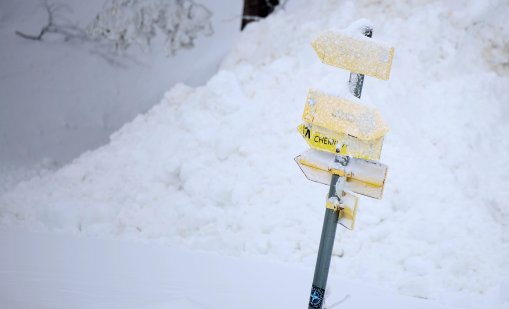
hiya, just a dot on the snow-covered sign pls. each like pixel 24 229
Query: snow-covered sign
pixel 344 133
pixel 325 140
pixel 342 126
pixel 362 176
pixel 354 52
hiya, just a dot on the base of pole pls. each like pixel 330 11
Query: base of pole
pixel 316 298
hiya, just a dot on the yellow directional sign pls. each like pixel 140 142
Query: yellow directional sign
pixel 340 115
pixel 358 54
pixel 325 140
pixel 362 176
pixel 347 208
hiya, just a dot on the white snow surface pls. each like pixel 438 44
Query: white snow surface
pixel 59 98
pixel 95 273
pixel 211 168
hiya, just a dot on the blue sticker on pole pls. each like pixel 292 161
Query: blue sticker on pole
pixel 316 297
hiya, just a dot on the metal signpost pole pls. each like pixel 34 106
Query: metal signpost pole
pixel 330 221
pixel 357 80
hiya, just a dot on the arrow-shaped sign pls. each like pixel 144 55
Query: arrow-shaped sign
pixel 362 176
pixel 325 140
pixel 341 115
pixel 356 53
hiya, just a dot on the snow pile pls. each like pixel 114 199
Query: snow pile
pixel 211 168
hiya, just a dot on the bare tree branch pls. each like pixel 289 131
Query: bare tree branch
pixel 137 22
pixel 123 23
pixel 50 10
pixel 67 30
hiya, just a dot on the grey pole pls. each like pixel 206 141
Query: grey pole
pixel 330 221
pixel 357 80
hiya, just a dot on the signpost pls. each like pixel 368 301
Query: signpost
pixel 361 176
pixel 325 140
pixel 342 115
pixel 346 138
pixel 355 51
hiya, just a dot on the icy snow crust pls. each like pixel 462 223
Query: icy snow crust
pixel 211 168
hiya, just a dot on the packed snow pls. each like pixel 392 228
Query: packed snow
pixel 96 273
pixel 211 168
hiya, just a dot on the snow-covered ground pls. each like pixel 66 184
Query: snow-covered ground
pixel 73 272
pixel 59 99
pixel 211 168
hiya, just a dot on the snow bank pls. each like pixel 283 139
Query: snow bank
pixel 212 168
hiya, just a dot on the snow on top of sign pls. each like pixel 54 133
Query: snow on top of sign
pixel 349 49
pixel 344 116
pixel 356 29
pixel 334 200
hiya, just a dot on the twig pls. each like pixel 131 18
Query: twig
pixel 50 10
pixel 67 31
